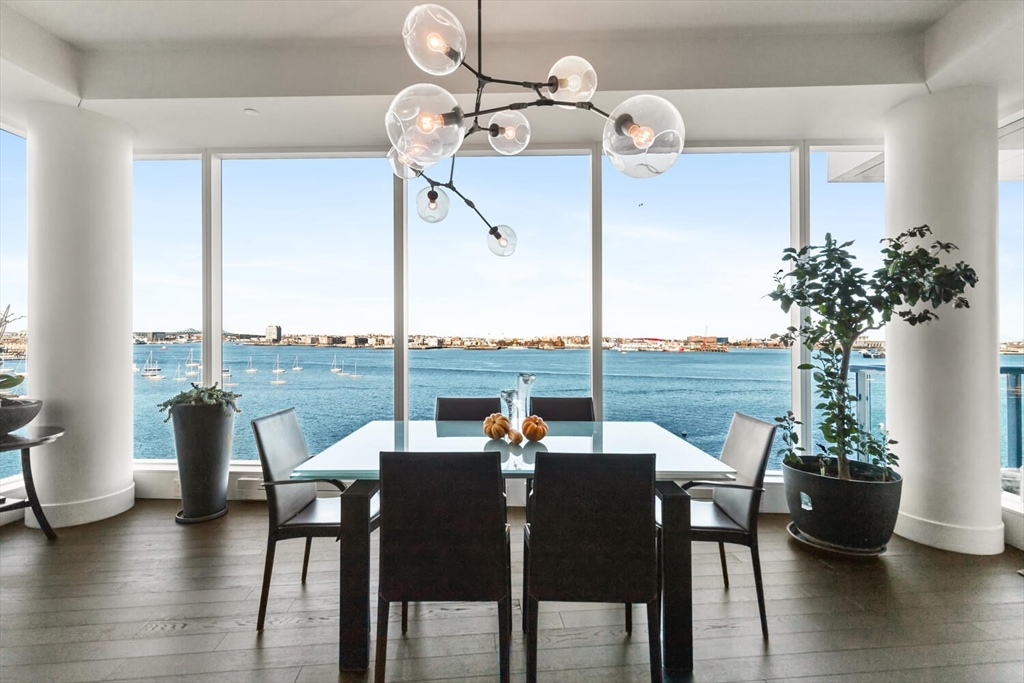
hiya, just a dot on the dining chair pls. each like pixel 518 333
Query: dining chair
pixel 449 408
pixel 563 408
pixel 443 537
pixel 731 514
pixel 593 543
pixel 295 511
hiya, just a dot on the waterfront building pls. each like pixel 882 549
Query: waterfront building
pixel 273 335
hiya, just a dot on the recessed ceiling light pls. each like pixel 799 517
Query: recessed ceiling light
pixel 251 112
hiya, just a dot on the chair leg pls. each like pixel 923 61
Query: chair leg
pixel 531 641
pixel 305 559
pixel 725 569
pixel 268 569
pixel 405 616
pixel 756 561
pixel 504 636
pixel 383 610
pixel 526 578
pixel 629 618
pixel 654 634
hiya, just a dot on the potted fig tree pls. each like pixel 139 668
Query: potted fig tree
pixel 204 419
pixel 846 496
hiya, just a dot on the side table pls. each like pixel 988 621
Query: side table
pixel 36 436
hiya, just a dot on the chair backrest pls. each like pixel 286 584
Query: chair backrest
pixel 281 447
pixel 442 527
pixel 563 408
pixel 447 408
pixel 746 450
pixel 592 530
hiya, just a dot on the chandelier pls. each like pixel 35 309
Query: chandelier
pixel 643 136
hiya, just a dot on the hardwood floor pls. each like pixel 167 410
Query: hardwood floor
pixel 140 598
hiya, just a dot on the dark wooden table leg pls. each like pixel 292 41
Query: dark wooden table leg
pixel 677 597
pixel 30 493
pixel 354 630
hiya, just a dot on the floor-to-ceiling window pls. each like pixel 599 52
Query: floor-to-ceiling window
pixel 689 257
pixel 13 271
pixel 308 293
pixel 1011 324
pixel 477 320
pixel 167 293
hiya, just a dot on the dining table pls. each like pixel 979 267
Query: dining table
pixel 356 459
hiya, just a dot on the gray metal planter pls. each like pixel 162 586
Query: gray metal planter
pixel 849 516
pixel 202 438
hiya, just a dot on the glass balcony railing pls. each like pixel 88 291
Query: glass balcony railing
pixel 870 388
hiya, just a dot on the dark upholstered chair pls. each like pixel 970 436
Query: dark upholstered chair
pixel 443 536
pixel 295 511
pixel 448 409
pixel 592 543
pixel 731 514
pixel 563 409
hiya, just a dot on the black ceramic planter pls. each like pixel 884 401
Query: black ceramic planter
pixel 853 516
pixel 202 438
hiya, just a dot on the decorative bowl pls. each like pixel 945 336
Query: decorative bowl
pixel 15 413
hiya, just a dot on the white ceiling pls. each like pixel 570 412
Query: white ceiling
pixel 100 24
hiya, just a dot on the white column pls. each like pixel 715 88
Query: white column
pixel 80 304
pixel 942 379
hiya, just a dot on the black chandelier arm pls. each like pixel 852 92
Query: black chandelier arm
pixel 484 79
pixel 450 185
pixel 542 102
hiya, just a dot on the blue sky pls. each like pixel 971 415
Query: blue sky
pixel 308 245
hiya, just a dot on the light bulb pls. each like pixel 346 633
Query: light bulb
pixel 425 123
pixel 436 43
pixel 432 204
pixel 501 240
pixel 642 136
pixel 509 132
pixel 573 80
pixel 434 39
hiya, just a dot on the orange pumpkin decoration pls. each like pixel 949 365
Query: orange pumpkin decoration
pixel 534 428
pixel 515 438
pixel 496 426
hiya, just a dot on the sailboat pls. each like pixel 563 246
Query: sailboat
pixel 334 365
pixel 191 366
pixel 355 371
pixel 226 372
pixel 341 371
pixel 151 370
pixel 178 377
pixel 296 367
pixel 249 368
pixel 277 372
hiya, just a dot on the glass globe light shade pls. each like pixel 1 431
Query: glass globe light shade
pixel 509 132
pixel 404 167
pixel 432 209
pixel 504 244
pixel 576 79
pixel 434 39
pixel 644 136
pixel 425 124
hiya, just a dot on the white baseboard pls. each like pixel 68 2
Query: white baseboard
pixel 1013 520
pixel 77 512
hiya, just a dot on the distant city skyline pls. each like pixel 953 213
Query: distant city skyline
pixel 307 245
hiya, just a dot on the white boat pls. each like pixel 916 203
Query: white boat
pixel 334 365
pixel 190 362
pixel 226 372
pixel 178 377
pixel 296 367
pixel 341 371
pixel 151 370
pixel 355 371
pixel 135 367
pixel 277 372
pixel 249 368
pixel 277 366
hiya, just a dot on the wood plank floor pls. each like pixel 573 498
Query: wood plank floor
pixel 139 598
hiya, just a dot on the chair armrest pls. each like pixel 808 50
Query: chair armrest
pixel 363 487
pixel 722 485
pixel 284 482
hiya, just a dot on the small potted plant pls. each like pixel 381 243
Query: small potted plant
pixel 847 495
pixel 204 419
